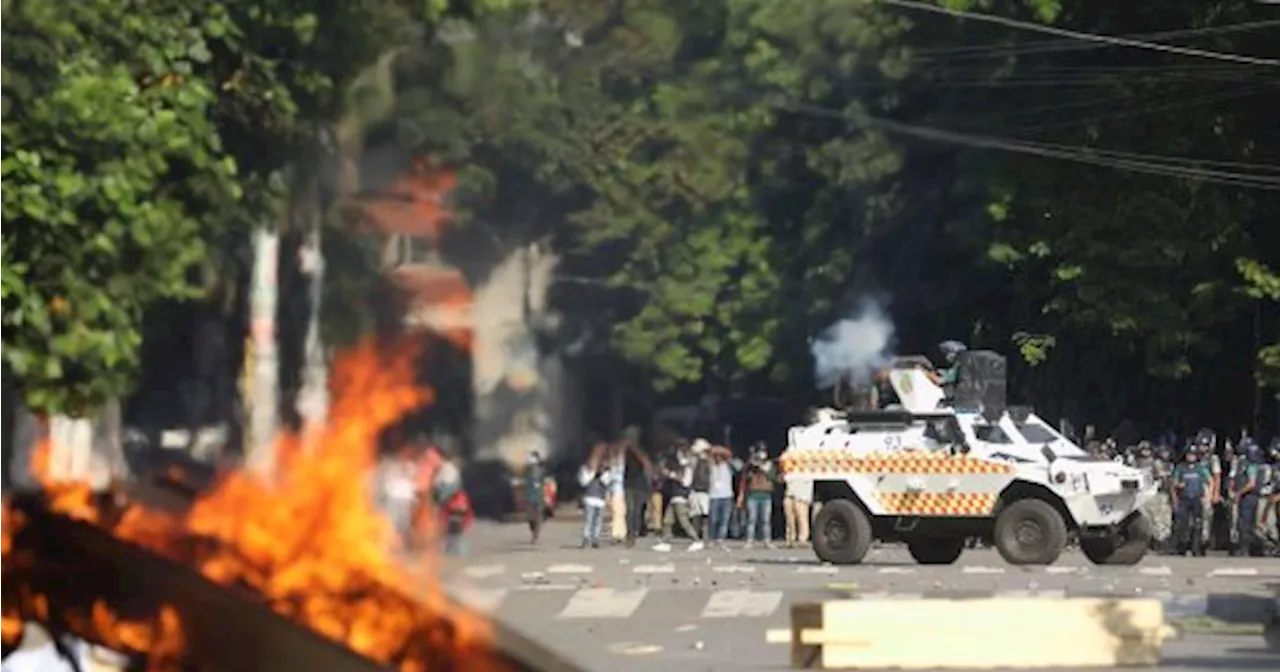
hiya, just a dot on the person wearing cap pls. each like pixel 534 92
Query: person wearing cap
pixel 756 492
pixel 700 495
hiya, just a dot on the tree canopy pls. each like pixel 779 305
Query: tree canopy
pixel 1088 186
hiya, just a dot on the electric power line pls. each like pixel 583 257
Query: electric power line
pixel 1090 37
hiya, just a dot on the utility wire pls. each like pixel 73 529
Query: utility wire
pixel 1051 46
pixel 1082 155
pixel 1090 37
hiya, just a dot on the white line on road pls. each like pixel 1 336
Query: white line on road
pixel 1155 571
pixel 570 569
pixel 484 571
pixel 654 569
pixel 1234 571
pixel 983 570
pixel 897 570
pixel 733 569
pixel 741 603
pixel 550 586
pixel 603 603
pixel 820 569
pixel 484 600
pixel 1065 570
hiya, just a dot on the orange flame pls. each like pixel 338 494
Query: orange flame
pixel 311 541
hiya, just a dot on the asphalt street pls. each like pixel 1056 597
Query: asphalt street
pixel 620 609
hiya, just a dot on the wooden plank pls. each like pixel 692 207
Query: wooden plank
pixel 805 616
pixel 977 634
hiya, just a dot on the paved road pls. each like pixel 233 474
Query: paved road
pixel 638 609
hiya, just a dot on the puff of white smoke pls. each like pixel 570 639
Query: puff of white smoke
pixel 854 347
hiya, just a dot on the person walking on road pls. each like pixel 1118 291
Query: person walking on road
pixel 535 480
pixel 595 478
pixel 617 460
pixel 679 479
pixel 637 483
pixel 795 508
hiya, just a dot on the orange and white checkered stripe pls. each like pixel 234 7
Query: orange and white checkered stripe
pixel 906 462
pixel 975 504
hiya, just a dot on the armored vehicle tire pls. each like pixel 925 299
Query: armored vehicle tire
pixel 841 533
pixel 1127 548
pixel 935 551
pixel 1030 532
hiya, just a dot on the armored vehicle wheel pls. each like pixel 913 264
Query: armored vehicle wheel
pixel 1030 532
pixel 841 533
pixel 1125 548
pixel 935 551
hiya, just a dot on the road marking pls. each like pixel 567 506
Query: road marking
pixel 733 569
pixel 484 571
pixel 983 570
pixel 742 603
pixel 484 600
pixel 820 569
pixel 570 569
pixel 550 586
pixel 1234 571
pixel 603 603
pixel 654 569
pixel 1156 571
pixel 897 570
pixel 1065 570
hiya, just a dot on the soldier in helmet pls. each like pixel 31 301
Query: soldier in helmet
pixel 1155 509
pixel 1266 489
pixel 949 376
pixel 1191 482
pixel 1270 516
pixel 1247 494
pixel 1231 464
pixel 1206 443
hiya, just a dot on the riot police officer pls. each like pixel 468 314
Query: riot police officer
pixel 1191 483
pixel 1155 509
pixel 1247 493
pixel 1267 478
pixel 1207 443
pixel 1231 465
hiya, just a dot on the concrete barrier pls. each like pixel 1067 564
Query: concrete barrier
pixel 1018 633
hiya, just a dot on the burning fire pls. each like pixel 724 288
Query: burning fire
pixel 310 541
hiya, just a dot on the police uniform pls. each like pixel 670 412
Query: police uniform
pixel 1157 508
pixel 1191 481
pixel 1266 491
pixel 1215 470
pixel 1228 483
pixel 1247 495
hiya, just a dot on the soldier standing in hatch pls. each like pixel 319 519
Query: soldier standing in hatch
pixel 1191 483
pixel 1155 509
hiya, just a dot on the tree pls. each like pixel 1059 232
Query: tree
pixel 101 112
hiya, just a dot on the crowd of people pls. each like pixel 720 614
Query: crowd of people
pixel 1214 495
pixel 698 489
pixel 420 489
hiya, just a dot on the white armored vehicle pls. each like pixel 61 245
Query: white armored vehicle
pixel 935 468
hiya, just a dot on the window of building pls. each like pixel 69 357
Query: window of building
pixel 415 251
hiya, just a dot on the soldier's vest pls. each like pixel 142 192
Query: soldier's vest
pixel 1243 474
pixel 1194 482
pixel 1266 479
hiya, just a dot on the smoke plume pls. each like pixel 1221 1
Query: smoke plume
pixel 853 348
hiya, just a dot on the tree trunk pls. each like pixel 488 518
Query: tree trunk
pixel 262 368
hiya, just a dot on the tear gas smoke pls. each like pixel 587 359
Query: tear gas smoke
pixel 853 348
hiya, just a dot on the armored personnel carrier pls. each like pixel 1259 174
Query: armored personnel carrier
pixel 935 467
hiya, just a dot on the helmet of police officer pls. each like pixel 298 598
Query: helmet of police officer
pixel 1251 450
pixel 1191 455
pixel 951 350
